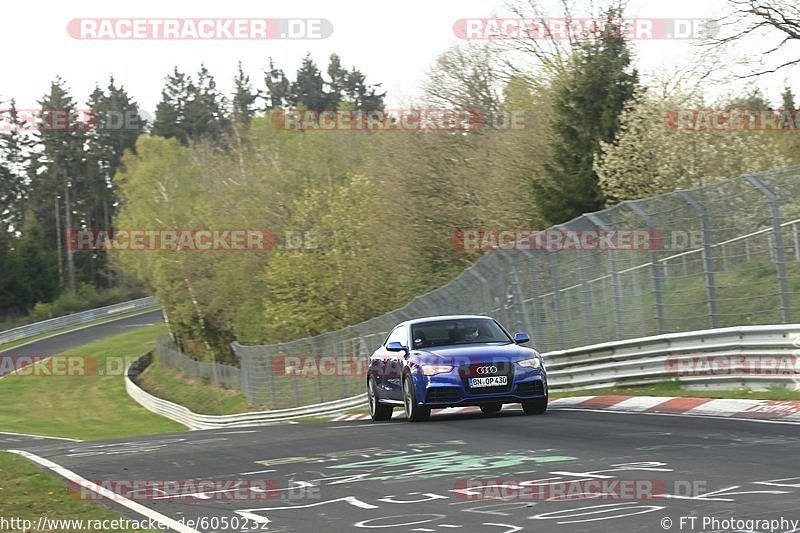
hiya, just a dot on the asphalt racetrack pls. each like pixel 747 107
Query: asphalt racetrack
pixel 565 471
pixel 64 342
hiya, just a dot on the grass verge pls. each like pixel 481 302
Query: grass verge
pixel 28 493
pixel 199 397
pixel 92 405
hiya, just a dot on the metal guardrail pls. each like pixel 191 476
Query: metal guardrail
pixel 697 359
pixel 756 357
pixel 54 324
pixel 194 420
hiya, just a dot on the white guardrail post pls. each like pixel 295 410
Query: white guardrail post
pixel 54 324
pixel 194 420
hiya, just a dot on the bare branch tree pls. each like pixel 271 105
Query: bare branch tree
pixel 775 24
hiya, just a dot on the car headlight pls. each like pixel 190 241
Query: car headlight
pixel 533 362
pixel 430 370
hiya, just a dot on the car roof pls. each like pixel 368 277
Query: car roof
pixel 442 317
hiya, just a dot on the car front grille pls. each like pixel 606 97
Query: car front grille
pixel 504 368
pixel 530 388
pixel 442 395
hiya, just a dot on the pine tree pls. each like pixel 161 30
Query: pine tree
pixel 587 107
pixel 61 166
pixel 244 98
pixel 205 109
pixel 16 149
pixel 191 110
pixel 787 99
pixel 360 95
pixel 170 119
pixel 278 86
pixel 116 124
pixel 308 89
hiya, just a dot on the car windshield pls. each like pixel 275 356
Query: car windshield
pixel 457 331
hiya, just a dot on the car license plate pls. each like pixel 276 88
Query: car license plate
pixel 488 381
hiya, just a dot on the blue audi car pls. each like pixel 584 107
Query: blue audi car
pixel 453 361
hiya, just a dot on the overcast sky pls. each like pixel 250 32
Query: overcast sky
pixel 392 42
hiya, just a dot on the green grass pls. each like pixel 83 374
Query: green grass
pixel 672 388
pixel 207 399
pixel 85 407
pixel 28 493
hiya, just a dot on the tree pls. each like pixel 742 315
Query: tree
pixel 61 165
pixel 116 124
pixel 754 100
pixel 170 119
pixel 278 87
pixel 360 95
pixel 16 149
pixel 771 27
pixel 648 158
pixel 244 98
pixel 205 109
pixel 38 279
pixel 787 99
pixel 587 106
pixel 191 110
pixel 308 88
pixel 465 77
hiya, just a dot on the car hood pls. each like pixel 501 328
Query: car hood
pixel 473 353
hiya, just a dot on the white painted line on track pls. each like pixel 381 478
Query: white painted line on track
pixel 113 496
pixel 255 472
pixel 38 436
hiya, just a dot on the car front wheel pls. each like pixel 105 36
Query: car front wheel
pixel 414 412
pixel 377 410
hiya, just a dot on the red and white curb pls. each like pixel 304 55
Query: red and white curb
pixel 755 409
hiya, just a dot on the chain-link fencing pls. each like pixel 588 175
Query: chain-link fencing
pixel 719 255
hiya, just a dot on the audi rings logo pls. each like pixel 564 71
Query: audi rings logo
pixel 486 370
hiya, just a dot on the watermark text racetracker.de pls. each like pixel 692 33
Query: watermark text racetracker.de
pixel 66 120
pixel 596 239
pixel 393 120
pixel 193 490
pixel 193 29
pixel 571 29
pixel 732 120
pixel 188 239
pixel 559 489
pixel 63 365
pixel 732 364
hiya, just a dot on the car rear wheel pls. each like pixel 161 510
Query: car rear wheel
pixel 377 410
pixel 414 412
pixel 491 408
pixel 535 407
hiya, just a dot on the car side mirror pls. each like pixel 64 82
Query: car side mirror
pixel 395 347
pixel 521 338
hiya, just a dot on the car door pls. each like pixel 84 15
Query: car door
pixel 392 385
